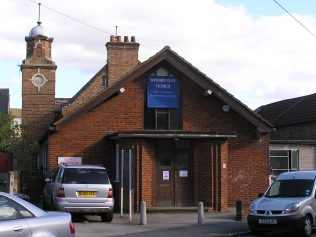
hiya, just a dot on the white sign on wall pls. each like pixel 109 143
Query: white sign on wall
pixel 183 173
pixel 165 175
pixel 70 160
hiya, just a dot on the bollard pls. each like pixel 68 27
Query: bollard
pixel 143 213
pixel 238 211
pixel 200 213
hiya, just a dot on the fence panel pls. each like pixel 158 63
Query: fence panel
pixel 6 162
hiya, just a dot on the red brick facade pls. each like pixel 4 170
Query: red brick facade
pixel 229 149
pixel 244 158
pixel 38 103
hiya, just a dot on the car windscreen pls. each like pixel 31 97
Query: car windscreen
pixel 291 188
pixel 85 176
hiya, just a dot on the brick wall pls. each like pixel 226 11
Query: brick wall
pixel 149 174
pixel 224 176
pixel 202 174
pixel 38 104
pixel 92 88
pixel 247 154
pixel 248 167
pixel 246 157
pixel 38 50
pixel 84 136
pixel 122 57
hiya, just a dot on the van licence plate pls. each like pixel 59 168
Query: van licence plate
pixel 87 194
pixel 268 221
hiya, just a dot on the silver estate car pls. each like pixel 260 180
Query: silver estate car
pixel 19 218
pixel 80 189
pixel 288 205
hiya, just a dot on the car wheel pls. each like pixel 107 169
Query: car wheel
pixel 307 227
pixel 107 216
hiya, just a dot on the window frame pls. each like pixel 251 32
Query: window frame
pixel 289 156
pixel 173 119
pixel 19 209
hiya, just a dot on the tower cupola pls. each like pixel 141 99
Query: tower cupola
pixel 38 83
pixel 38 30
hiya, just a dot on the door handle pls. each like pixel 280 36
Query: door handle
pixel 18 228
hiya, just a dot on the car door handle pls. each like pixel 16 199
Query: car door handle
pixel 18 228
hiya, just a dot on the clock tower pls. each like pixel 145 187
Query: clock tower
pixel 38 83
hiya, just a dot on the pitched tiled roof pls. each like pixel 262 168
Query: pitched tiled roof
pixel 170 57
pixel 290 111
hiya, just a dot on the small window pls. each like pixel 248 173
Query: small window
pixel 283 161
pixel 85 176
pixel 162 118
pixel 104 81
pixel 39 50
pixel 10 210
pixel 163 148
pixel 284 188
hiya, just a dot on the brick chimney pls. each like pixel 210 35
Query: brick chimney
pixel 122 57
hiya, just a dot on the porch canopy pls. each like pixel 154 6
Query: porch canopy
pixel 168 134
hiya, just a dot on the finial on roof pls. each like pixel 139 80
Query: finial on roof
pixel 39 14
pixel 39 29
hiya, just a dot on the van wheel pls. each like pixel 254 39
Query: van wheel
pixel 107 216
pixel 307 227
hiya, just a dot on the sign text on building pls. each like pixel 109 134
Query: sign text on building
pixel 162 92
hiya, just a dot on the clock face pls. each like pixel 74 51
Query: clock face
pixel 38 80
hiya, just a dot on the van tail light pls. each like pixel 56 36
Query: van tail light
pixel 60 192
pixel 110 193
pixel 72 227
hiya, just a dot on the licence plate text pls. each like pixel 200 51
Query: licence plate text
pixel 86 194
pixel 268 221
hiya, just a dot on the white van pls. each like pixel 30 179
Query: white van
pixel 289 204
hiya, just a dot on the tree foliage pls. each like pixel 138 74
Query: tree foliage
pixel 6 132
pixel 12 139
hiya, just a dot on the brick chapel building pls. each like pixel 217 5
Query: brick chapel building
pixel 191 140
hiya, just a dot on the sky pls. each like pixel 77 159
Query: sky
pixel 251 48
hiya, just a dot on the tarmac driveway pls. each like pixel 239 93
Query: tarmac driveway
pixel 163 224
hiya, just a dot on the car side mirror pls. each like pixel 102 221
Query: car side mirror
pixel 260 195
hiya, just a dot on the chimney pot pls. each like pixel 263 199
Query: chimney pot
pixel 118 38
pixel 112 38
pixel 126 39
pixel 133 40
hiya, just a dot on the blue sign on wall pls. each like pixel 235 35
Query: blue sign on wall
pixel 162 92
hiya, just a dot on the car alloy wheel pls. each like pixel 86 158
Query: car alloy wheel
pixel 307 226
